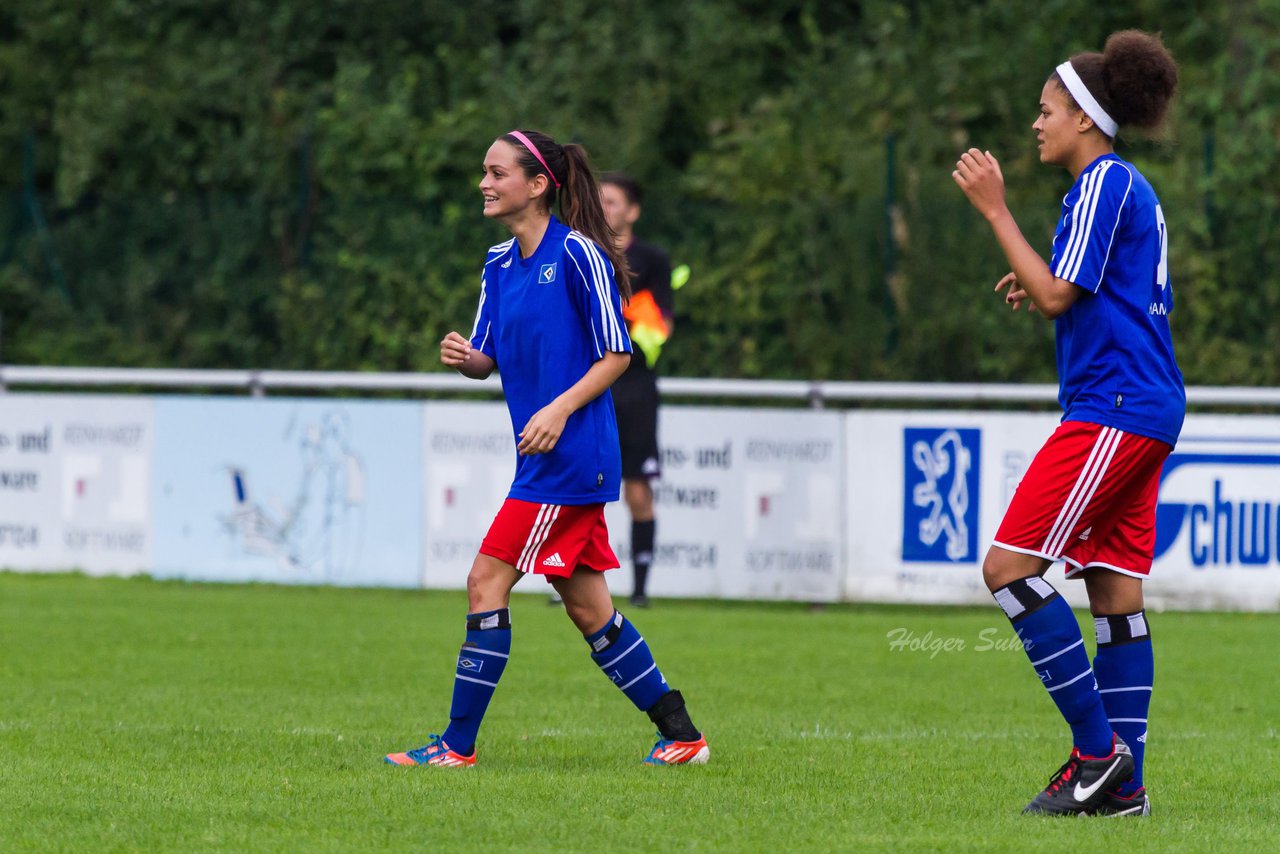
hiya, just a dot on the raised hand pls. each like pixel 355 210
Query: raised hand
pixel 978 174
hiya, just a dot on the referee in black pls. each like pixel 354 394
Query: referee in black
pixel 650 318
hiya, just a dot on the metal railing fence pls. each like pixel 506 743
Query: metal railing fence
pixel 814 393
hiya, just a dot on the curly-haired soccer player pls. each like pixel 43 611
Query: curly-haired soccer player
pixel 1089 496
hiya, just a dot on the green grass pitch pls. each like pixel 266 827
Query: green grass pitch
pixel 137 715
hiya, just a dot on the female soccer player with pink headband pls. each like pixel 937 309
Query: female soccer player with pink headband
pixel 1089 496
pixel 550 321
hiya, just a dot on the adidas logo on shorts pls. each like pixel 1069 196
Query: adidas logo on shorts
pixel 554 560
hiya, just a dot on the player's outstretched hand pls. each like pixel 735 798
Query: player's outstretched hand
pixel 978 175
pixel 1016 295
pixel 454 350
pixel 542 432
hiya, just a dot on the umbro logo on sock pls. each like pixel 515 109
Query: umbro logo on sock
pixel 554 560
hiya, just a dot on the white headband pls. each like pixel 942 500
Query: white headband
pixel 1085 99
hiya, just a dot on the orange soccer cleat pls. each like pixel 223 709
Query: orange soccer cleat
pixel 434 752
pixel 668 752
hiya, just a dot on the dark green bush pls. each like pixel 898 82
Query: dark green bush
pixel 205 183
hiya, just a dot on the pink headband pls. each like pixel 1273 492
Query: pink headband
pixel 533 149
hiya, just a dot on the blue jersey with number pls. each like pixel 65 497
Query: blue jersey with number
pixel 545 320
pixel 1115 353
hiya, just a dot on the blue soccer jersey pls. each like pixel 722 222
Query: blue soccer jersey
pixel 545 320
pixel 1114 350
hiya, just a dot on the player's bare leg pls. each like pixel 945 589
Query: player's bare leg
pixel 586 597
pixel 1112 593
pixel 1003 567
pixel 639 497
pixel 489 583
pixel 638 493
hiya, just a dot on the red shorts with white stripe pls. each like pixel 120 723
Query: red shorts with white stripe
pixel 1089 498
pixel 550 539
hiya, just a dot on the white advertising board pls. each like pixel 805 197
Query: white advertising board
pixel 288 491
pixel 748 504
pixel 75 483
pixel 927 491
pixel 889 506
pixel 1218 517
pixel 469 460
pixel 926 494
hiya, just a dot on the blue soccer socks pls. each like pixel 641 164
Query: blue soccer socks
pixel 481 661
pixel 1051 636
pixel 619 650
pixel 1125 669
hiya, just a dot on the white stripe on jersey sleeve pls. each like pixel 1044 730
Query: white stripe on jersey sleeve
pixel 1083 218
pixel 475 326
pixel 1080 224
pixel 1095 196
pixel 1111 241
pixel 496 252
pixel 1073 235
pixel 595 340
pixel 600 280
pixel 604 287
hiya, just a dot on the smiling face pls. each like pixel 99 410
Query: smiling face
pixel 1059 127
pixel 507 192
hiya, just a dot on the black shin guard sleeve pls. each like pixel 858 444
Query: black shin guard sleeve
pixel 672 718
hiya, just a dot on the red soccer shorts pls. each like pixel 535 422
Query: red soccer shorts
pixel 550 539
pixel 1089 498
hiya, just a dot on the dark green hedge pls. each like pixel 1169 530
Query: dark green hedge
pixel 208 183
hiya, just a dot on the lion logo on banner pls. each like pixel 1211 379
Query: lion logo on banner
pixel 945 465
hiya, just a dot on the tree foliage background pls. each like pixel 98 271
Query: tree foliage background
pixel 270 183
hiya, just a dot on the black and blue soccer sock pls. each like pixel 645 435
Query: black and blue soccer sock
pixel 1125 668
pixel 621 653
pixel 1051 636
pixel 642 538
pixel 481 661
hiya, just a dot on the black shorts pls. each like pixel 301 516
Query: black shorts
pixel 635 401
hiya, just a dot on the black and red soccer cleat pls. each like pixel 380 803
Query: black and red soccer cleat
pixel 1116 804
pixel 1084 782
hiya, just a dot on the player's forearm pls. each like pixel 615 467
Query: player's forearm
pixel 476 366
pixel 598 377
pixel 1051 295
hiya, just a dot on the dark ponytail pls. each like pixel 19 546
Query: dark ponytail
pixel 572 180
pixel 1134 78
